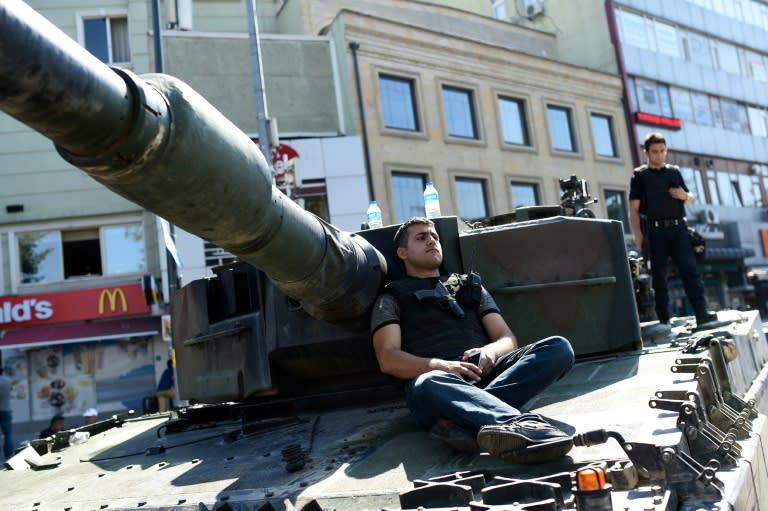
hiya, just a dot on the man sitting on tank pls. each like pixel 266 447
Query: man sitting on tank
pixel 467 377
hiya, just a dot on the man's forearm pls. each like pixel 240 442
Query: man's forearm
pixel 401 364
pixel 501 346
pixel 634 224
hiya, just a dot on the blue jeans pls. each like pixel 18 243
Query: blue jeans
pixel 673 242
pixel 496 399
pixel 5 425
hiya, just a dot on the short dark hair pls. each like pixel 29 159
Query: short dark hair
pixel 401 239
pixel 56 418
pixel 653 138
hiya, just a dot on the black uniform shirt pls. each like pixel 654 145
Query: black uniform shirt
pixel 651 188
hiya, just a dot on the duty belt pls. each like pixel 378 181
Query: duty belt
pixel 668 222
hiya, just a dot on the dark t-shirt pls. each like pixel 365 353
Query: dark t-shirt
pixel 46 433
pixel 434 333
pixel 166 379
pixel 651 188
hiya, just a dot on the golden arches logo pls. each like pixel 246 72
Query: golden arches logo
pixel 111 296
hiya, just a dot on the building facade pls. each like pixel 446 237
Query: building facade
pixel 696 71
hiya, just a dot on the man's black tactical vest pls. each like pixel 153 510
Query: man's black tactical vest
pixel 656 202
pixel 429 326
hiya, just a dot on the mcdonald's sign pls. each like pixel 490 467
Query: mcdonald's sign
pixel 77 305
pixel 111 296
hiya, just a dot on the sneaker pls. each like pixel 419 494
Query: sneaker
pixel 459 438
pixel 528 438
pixel 709 317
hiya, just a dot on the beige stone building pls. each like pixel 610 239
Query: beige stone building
pixel 484 111
pixel 477 105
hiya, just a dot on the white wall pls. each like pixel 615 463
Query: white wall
pixel 340 161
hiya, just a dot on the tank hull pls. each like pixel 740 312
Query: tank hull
pixel 369 454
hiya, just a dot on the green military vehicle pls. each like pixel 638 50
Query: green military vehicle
pixel 289 410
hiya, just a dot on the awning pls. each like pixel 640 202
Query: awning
pixel 80 332
pixel 727 253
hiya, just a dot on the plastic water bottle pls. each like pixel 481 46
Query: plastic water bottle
pixel 374 216
pixel 79 437
pixel 431 201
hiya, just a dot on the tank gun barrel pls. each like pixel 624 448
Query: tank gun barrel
pixel 156 142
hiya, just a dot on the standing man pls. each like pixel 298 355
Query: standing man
pixel 467 378
pixel 166 388
pixel 6 422
pixel 657 199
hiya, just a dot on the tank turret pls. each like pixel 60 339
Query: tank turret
pixel 158 143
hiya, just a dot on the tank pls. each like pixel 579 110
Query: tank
pixel 287 407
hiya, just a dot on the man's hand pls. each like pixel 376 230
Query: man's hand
pixel 484 360
pixel 680 194
pixel 462 369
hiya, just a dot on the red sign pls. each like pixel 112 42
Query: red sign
pixel 283 152
pixel 77 305
pixel 282 156
pixel 658 120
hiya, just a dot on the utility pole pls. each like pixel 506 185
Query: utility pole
pixel 172 267
pixel 258 82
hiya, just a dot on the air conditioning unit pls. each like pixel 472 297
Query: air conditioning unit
pixel 532 8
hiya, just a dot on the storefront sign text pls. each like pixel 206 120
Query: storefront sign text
pixel 77 305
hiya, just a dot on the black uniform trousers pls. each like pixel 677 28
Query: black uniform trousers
pixel 673 242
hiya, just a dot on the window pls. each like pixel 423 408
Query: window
pixel 470 198
pixel 735 116
pixel 747 191
pixel 717 114
pixel 459 112
pixel 758 121
pixel 698 49
pixel 714 194
pixel 681 103
pixel 665 103
pixel 616 207
pixel 123 249
pixel 692 179
pixel 560 129
pixel 602 132
pixel 756 65
pixel 524 194
pixel 514 126
pixel 54 256
pixel 730 193
pixel 408 194
pixel 632 94
pixel 397 103
pixel 727 57
pixel 653 98
pixel 40 257
pixel 499 9
pixel 633 30
pixel 81 253
pixel 701 111
pixel 107 38
pixel 666 39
